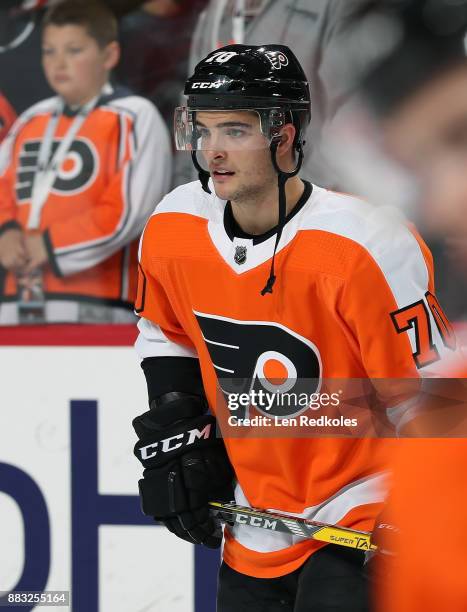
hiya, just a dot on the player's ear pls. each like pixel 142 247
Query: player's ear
pixel 111 55
pixel 285 147
pixel 287 138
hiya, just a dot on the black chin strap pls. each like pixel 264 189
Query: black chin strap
pixel 282 178
pixel 203 174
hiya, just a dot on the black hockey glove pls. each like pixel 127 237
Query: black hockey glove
pixel 186 466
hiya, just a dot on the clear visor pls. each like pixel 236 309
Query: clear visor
pixel 223 130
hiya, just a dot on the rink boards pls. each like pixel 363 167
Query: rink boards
pixel 69 510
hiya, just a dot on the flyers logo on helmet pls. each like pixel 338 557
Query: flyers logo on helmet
pixel 277 59
pixel 77 171
pixel 261 355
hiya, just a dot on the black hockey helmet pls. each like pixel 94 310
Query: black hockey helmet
pixel 267 79
pixel 245 77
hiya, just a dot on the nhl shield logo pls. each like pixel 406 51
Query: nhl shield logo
pixel 240 255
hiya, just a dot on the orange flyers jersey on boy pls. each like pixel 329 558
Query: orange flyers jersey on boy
pixel 350 278
pixel 114 171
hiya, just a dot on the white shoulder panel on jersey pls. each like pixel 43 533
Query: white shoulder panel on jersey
pixel 44 107
pixel 191 199
pixel 387 239
pixel 381 231
pixel 40 108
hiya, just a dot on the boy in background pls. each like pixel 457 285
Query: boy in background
pixel 79 175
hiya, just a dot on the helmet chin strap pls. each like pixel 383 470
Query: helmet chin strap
pixel 282 178
pixel 203 174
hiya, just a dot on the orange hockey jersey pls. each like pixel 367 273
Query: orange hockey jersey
pixel 116 168
pixel 351 300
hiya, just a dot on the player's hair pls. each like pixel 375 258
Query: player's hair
pixel 99 21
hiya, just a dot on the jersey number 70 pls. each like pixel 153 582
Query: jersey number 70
pixel 416 316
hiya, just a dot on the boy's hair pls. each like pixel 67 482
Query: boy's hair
pixel 99 21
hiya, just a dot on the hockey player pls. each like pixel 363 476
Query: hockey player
pixel 252 270
pixel 318 32
pixel 79 175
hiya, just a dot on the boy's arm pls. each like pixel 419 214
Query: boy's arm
pixel 81 241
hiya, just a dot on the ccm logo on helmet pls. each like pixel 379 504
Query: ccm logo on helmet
pixel 206 85
pixel 174 442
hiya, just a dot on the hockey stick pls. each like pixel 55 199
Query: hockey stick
pixel 303 528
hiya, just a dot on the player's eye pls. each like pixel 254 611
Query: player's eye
pixel 75 50
pixel 47 51
pixel 236 132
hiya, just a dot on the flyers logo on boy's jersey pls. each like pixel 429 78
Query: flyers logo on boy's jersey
pixel 260 355
pixel 76 173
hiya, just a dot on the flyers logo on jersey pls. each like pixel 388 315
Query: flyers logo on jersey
pixel 76 173
pixel 260 355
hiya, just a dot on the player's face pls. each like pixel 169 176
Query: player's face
pixel 239 173
pixel 75 66
pixel 429 135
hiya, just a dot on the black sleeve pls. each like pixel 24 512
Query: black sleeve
pixel 172 374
